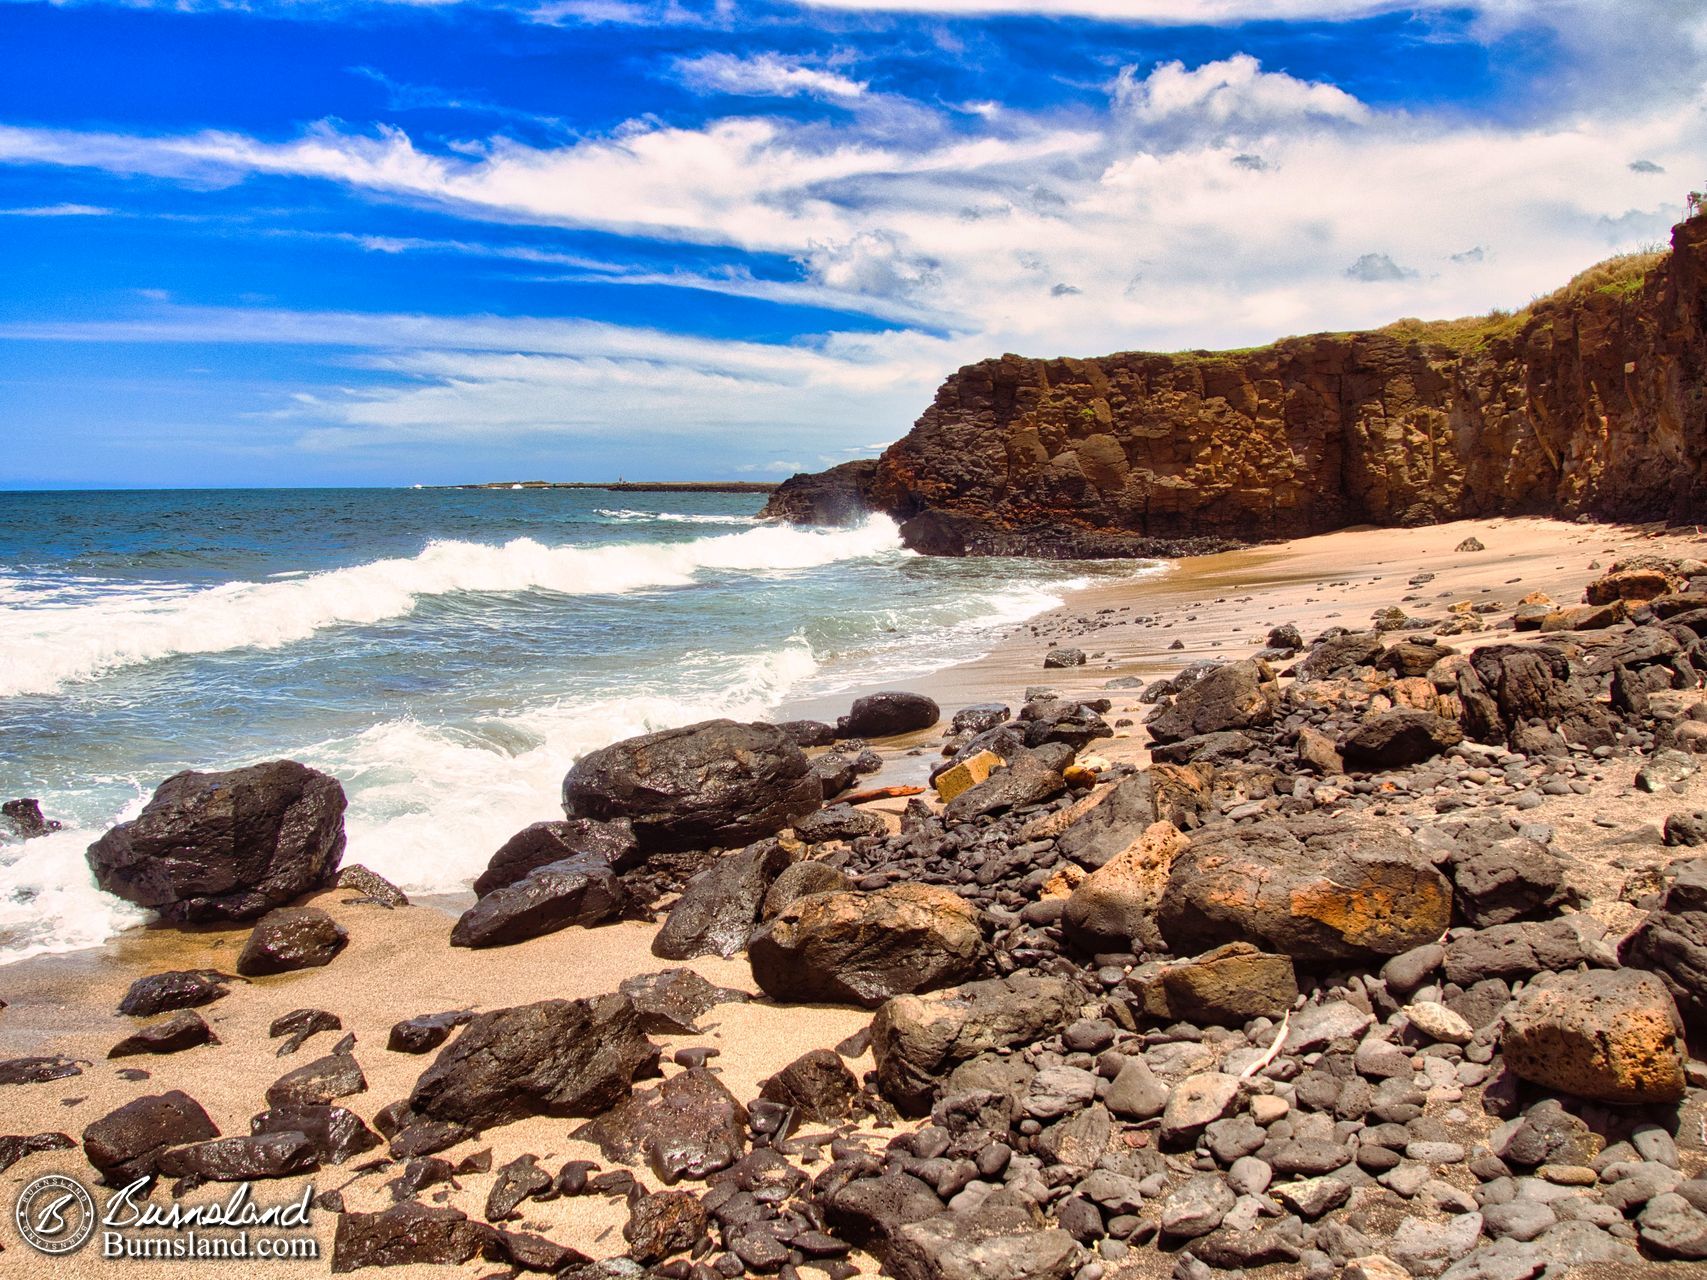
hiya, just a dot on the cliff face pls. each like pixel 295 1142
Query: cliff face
pixel 1593 401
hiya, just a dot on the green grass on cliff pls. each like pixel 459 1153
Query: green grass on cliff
pixel 1619 277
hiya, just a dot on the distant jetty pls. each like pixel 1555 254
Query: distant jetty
pixel 636 486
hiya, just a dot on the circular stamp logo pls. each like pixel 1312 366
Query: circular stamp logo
pixel 55 1214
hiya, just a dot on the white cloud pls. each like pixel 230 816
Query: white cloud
pixel 1157 12
pixel 58 211
pixel 1218 205
pixel 766 75
pixel 1233 96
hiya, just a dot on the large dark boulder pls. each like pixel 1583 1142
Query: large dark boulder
pixel 1672 941
pixel 554 1057
pixel 335 1132
pixel 839 496
pixel 720 906
pixel 127 1143
pixel 546 842
pixel 176 989
pixel 1507 880
pixel 716 784
pixel 1399 738
pixel 1238 695
pixel 863 948
pixel 580 890
pixel 227 846
pixel 1315 889
pixel 883 715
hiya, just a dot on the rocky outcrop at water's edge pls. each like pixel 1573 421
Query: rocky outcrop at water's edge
pixel 1590 402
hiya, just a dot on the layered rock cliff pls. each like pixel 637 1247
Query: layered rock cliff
pixel 1592 401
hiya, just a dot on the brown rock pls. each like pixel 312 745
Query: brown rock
pixel 918 1040
pixel 965 775
pixel 863 948
pixel 1225 987
pixel 688 1126
pixel 664 1224
pixel 1612 1035
pixel 554 1057
pixel 1314 889
pixel 1114 908
pixel 1631 584
pixel 1237 695
pixel 291 938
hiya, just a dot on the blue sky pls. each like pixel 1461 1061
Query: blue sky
pixel 389 243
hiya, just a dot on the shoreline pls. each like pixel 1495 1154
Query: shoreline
pixel 398 965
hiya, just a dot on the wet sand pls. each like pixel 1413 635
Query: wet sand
pixel 398 963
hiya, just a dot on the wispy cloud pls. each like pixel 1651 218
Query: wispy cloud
pixel 59 211
pixel 767 75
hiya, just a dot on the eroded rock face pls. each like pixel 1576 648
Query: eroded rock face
pixel 1312 889
pixel 1136 454
pixel 554 1057
pixel 917 1040
pixel 717 784
pixel 227 846
pixel 863 948
pixel 1612 1035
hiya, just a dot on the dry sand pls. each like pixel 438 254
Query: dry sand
pixel 398 963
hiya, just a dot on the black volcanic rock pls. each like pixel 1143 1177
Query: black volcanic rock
pixel 716 784
pixel 227 846
pixel 547 842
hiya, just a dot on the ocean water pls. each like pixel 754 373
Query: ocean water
pixel 447 654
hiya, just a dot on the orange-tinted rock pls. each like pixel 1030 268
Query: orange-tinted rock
pixel 1612 1035
pixel 1314 889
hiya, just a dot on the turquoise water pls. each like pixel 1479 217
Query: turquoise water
pixel 447 654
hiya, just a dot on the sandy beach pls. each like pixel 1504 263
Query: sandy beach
pixel 398 963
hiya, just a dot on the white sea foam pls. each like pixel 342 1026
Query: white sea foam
pixel 43 648
pixel 626 516
pixel 429 804
pixel 48 899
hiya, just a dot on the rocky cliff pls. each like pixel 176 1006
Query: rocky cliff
pixel 1592 401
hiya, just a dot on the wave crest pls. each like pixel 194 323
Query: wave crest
pixel 44 648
